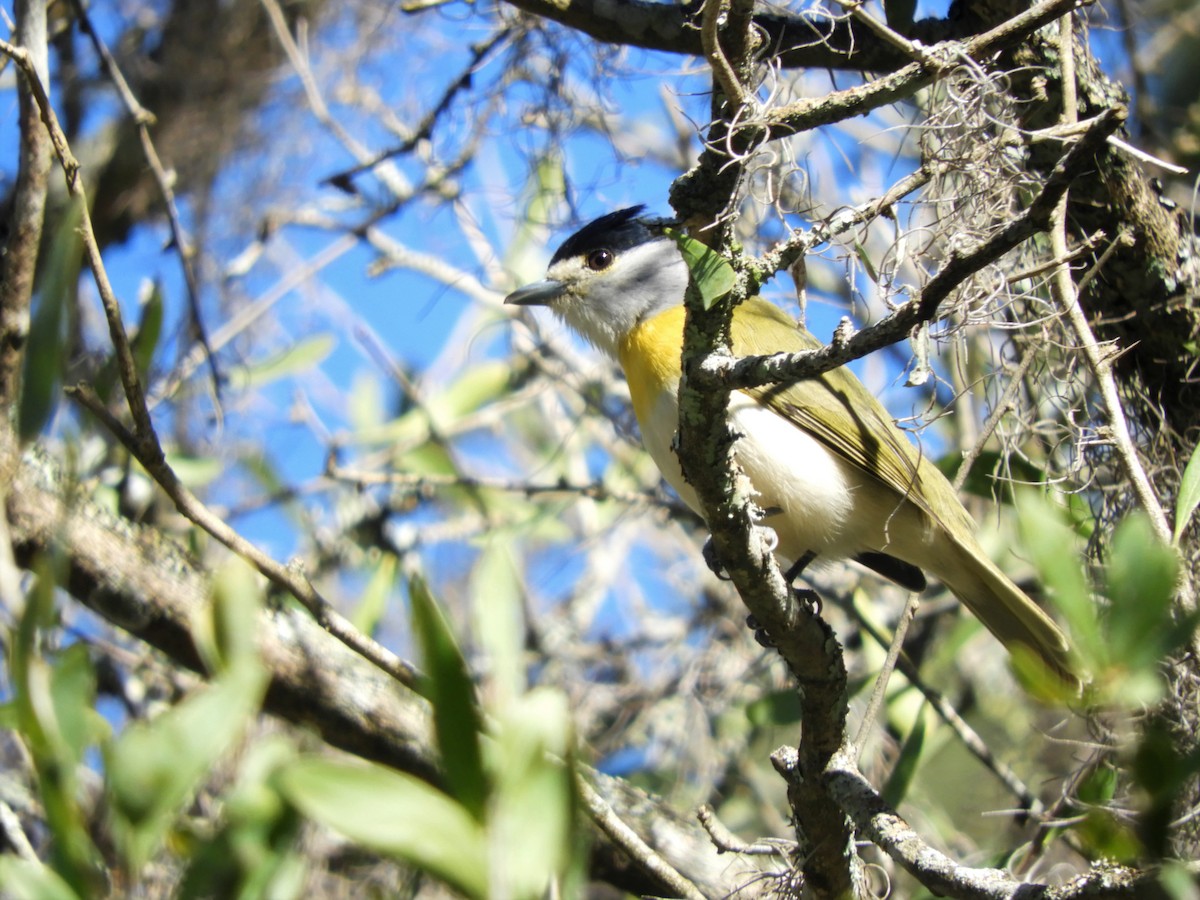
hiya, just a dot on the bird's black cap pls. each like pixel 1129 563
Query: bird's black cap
pixel 616 231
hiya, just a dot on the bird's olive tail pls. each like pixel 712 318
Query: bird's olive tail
pixel 1007 612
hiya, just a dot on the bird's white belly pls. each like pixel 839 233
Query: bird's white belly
pixel 807 491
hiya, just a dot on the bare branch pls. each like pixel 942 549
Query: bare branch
pixel 139 579
pixel 291 578
pixel 19 259
pixel 126 364
pixel 1067 297
pixel 944 877
pixel 143 119
pixel 628 840
pixel 885 672
pixel 801 40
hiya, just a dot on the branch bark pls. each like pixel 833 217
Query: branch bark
pixel 142 582
pixel 830 865
pixel 798 41
pixel 754 371
pixel 19 259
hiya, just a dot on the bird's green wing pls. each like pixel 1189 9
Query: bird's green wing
pixel 839 411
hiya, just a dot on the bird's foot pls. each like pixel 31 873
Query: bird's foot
pixel 709 552
pixel 809 599
pixel 760 634
pixel 811 602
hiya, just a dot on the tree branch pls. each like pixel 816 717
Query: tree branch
pixel 19 259
pixel 142 582
pixel 937 62
pixel 143 119
pixel 706 448
pixel 941 875
pixel 754 371
pixel 798 41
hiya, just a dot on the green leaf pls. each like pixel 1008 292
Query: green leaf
pixel 498 594
pixel 372 604
pixel 1099 786
pixel 474 388
pixel 1189 496
pixel 149 330
pixel 865 258
pixel 532 822
pixel 901 778
pixel 298 358
pixel 366 406
pixel 30 880
pixel 72 691
pixel 1141 577
pixel 1162 771
pixel 549 187
pixel 1177 881
pixel 154 766
pixel 1051 546
pixel 394 813
pixel 236 602
pixel 253 852
pixel 1102 834
pixel 711 272
pixel 53 707
pixel 46 353
pixel 449 688
pixel 775 708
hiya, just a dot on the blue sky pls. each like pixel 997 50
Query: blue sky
pixel 403 314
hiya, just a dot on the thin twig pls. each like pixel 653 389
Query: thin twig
pixel 913 50
pixel 1041 268
pixel 629 841
pixel 425 127
pixel 712 18
pixel 425 482
pixel 727 842
pixel 885 673
pixel 883 826
pixel 291 578
pixel 785 254
pixel 993 420
pixel 126 364
pixel 1067 296
pixel 1143 156
pixel 969 737
pixel 143 119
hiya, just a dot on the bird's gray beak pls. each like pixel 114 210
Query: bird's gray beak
pixel 540 293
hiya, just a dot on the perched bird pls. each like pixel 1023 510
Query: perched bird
pixel 835 476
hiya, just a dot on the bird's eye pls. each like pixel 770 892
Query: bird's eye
pixel 599 260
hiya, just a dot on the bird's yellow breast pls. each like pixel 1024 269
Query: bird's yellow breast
pixel 649 353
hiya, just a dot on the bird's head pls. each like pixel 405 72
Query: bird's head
pixel 610 275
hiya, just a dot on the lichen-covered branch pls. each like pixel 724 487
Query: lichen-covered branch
pixel 142 582
pixel 760 370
